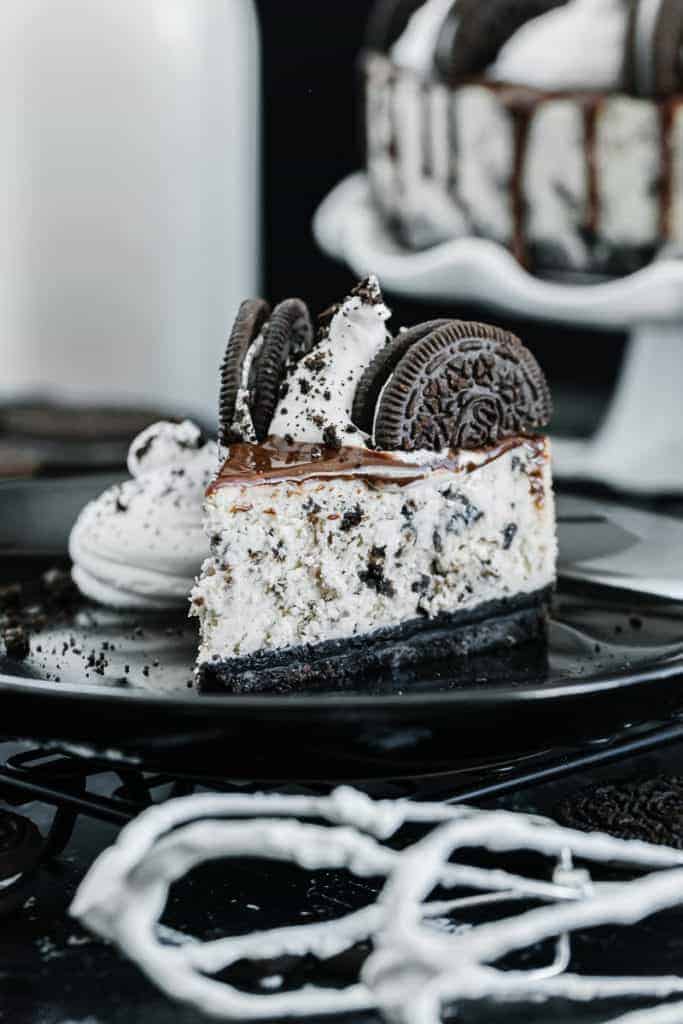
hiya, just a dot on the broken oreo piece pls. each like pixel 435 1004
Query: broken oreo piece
pixel 654 41
pixel 380 369
pixel 287 335
pixel 464 386
pixel 483 28
pixel 252 315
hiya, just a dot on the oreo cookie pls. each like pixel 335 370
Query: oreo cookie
pixel 252 315
pixel 648 809
pixel 287 337
pixel 388 21
pixel 653 65
pixel 483 28
pixel 464 386
pixel 380 369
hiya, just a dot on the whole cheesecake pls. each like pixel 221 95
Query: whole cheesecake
pixel 553 127
pixel 381 499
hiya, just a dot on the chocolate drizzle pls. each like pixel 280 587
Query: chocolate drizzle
pixel 521 107
pixel 278 461
pixel 591 110
pixel 667 111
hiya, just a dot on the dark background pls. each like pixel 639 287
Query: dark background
pixel 313 138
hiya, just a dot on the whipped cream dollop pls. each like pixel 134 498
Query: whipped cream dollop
pixel 318 394
pixel 141 543
pixel 577 46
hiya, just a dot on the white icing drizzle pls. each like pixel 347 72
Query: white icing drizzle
pixel 415 969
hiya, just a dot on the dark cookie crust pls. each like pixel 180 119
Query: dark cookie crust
pixel 287 335
pixel 464 386
pixel 335 664
pixel 484 26
pixel 654 58
pixel 251 317
pixel 380 369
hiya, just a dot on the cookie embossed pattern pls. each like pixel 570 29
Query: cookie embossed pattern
pixel 416 969
pixel 396 498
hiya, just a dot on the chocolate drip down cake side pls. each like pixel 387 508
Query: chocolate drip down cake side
pixel 381 499
pixel 553 127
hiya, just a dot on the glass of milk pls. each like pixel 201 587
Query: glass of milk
pixel 130 194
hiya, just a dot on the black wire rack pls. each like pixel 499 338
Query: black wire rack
pixel 75 785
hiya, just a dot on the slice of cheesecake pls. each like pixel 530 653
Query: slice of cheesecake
pixel 331 556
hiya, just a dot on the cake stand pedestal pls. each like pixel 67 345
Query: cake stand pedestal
pixel 639 445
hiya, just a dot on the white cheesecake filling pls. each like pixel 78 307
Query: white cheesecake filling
pixel 141 543
pixel 302 562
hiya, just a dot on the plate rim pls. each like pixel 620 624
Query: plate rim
pixel 662 670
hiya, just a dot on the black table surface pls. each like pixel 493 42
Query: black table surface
pixel 53 972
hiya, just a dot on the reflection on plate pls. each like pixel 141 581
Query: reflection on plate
pixel 119 683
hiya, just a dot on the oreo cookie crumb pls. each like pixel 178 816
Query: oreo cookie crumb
pixel 145 448
pixel 331 438
pixel 316 362
pixel 367 292
pixel 465 512
pixel 373 577
pixel 17 642
pixel 351 519
pixel 509 534
pixel 421 585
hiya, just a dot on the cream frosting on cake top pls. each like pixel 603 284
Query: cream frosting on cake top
pixel 579 45
pixel 316 406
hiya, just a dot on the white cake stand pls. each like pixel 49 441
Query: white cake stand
pixel 639 445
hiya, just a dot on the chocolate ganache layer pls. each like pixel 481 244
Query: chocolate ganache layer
pixel 279 461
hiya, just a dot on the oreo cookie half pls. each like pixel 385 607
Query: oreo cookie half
pixel 465 385
pixel 252 315
pixel 381 368
pixel 483 28
pixel 388 21
pixel 654 55
pixel 287 336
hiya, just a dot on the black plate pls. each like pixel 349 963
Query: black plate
pixel 612 659
pixel 117 683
